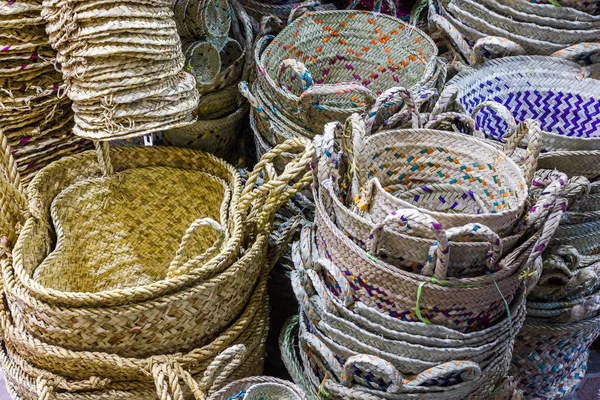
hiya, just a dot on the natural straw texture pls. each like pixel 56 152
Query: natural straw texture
pixel 122 66
pixel 179 277
pixel 36 117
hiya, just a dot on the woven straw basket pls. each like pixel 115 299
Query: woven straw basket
pixel 316 378
pixel 260 388
pixel 409 347
pixel 488 30
pixel 565 105
pixel 551 358
pixel 192 270
pixel 36 370
pixel 326 65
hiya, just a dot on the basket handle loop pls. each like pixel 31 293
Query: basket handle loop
pixel 314 347
pixel 248 35
pixel 300 70
pixel 531 130
pixel 578 52
pixel 374 365
pixel 327 159
pixel 469 232
pixel 247 93
pixel 391 97
pixel 47 383
pixel 423 225
pixel 11 181
pixel 341 282
pixel 453 118
pixel 179 266
pixel 271 195
pixel 500 112
pixel 266 23
pixel 298 10
pixel 468 370
pixel 490 47
pixel 222 367
pixel 446 28
pixel 312 96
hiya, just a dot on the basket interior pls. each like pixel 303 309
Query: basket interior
pixel 563 102
pixel 124 230
pixel 333 48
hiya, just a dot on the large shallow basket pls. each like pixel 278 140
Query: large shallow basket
pixel 260 388
pixel 124 300
pixel 326 65
pixel 553 91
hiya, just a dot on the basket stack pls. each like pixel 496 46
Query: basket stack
pixel 515 26
pixel 562 310
pixel 145 312
pixel 217 40
pixel 411 281
pixel 122 66
pixel 36 116
pixel 327 65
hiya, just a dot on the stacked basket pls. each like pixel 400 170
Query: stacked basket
pixel 217 42
pixel 551 351
pixel 36 117
pixel 411 282
pixel 326 65
pixel 523 27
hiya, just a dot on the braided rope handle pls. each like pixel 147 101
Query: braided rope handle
pixel 249 36
pixel 453 118
pixel 311 97
pixel 496 47
pixel 299 10
pixel 579 52
pixel 254 103
pixel 375 366
pixel 177 266
pixel 271 195
pixel 390 97
pixel 446 28
pixel 326 165
pixel 302 73
pixel 11 181
pixel 266 22
pixel 47 383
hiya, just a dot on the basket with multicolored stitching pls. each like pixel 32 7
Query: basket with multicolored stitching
pixel 554 91
pixel 326 65
pixel 551 358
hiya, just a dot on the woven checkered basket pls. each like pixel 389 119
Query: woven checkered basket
pixel 326 65
pixel 566 105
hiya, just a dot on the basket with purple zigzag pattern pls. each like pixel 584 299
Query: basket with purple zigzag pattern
pixel 553 91
pixel 551 358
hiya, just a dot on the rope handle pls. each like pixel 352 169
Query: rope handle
pixel 531 130
pixel 266 22
pixel 311 97
pixel 455 118
pixel 469 233
pixel 300 70
pixel 552 183
pixel 47 383
pixel 272 194
pixel 299 10
pixel 178 267
pixel 247 93
pixel 103 154
pixel 447 29
pixel 578 52
pixel 490 47
pixel 10 182
pixel 501 112
pixel 388 98
pixel 327 158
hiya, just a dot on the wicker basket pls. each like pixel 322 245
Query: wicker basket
pixel 565 125
pixel 34 369
pixel 301 79
pixel 551 358
pixel 181 282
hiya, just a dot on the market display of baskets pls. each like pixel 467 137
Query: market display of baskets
pixel 426 182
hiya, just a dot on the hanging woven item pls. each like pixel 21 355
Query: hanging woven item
pixel 122 67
